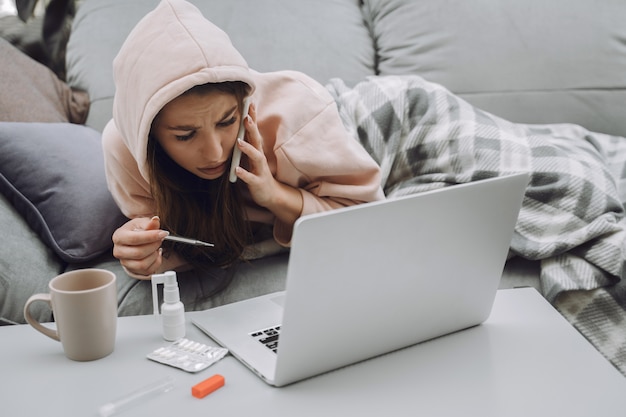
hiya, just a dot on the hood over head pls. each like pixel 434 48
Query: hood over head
pixel 170 50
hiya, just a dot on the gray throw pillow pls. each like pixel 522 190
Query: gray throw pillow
pixel 53 173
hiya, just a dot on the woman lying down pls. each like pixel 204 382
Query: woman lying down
pixel 181 89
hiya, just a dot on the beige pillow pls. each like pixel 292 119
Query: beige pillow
pixel 31 92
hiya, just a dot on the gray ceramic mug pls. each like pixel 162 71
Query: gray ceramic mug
pixel 84 304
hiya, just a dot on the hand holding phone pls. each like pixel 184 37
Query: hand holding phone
pixel 240 136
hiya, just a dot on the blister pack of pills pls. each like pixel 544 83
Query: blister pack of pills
pixel 188 355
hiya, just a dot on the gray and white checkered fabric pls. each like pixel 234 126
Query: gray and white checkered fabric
pixel 424 137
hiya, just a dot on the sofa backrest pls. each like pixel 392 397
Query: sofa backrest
pixel 531 61
pixel 323 38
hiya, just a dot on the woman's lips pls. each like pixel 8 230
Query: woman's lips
pixel 213 171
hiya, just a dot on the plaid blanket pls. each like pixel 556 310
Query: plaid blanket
pixel 572 218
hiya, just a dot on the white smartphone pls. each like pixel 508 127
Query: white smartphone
pixel 240 135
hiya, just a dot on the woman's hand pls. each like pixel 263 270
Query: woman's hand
pixel 281 199
pixel 137 244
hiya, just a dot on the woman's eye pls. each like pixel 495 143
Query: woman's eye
pixel 228 122
pixel 184 138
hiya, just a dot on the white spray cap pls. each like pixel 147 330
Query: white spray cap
pixel 170 289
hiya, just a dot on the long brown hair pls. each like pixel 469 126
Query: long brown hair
pixel 208 210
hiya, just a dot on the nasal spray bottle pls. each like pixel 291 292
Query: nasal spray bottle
pixel 172 310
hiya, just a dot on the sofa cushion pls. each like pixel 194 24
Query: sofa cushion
pixel 199 290
pixel 323 38
pixel 53 173
pixel 31 92
pixel 26 267
pixel 531 61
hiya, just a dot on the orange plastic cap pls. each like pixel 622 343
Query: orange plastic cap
pixel 207 386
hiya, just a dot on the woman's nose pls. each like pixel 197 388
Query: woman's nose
pixel 211 148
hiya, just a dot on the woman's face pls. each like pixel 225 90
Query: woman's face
pixel 198 131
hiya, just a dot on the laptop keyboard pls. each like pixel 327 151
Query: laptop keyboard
pixel 268 337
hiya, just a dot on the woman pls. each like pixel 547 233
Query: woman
pixel 180 86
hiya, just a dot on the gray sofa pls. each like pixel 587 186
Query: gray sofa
pixel 534 61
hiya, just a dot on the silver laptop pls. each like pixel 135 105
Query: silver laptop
pixel 373 278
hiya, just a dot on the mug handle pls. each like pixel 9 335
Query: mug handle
pixel 51 333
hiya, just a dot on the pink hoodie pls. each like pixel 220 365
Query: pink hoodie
pixel 174 48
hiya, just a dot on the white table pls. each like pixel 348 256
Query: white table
pixel 525 360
